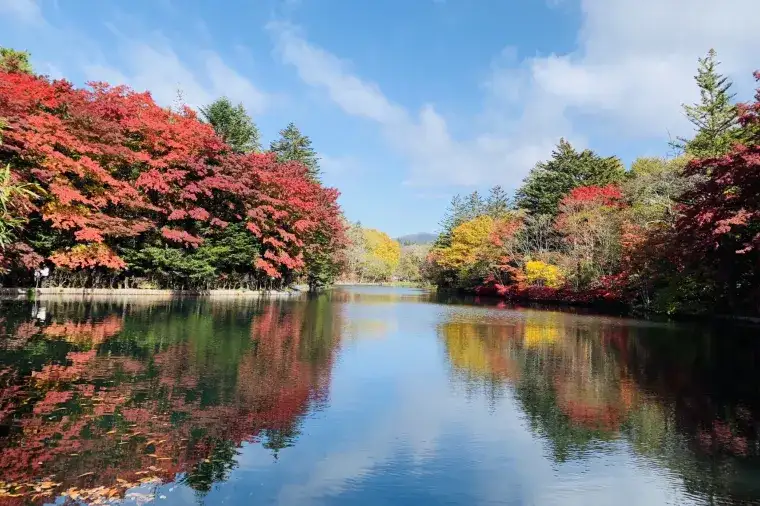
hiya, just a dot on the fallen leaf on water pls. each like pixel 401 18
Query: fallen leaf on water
pixel 85 474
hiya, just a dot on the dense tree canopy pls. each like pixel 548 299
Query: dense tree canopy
pixel 293 146
pixel 674 235
pixel 233 125
pixel 550 181
pixel 719 228
pixel 372 256
pixel 382 255
pixel 129 189
pixel 14 61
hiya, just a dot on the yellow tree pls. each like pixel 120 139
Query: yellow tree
pixel 483 249
pixel 469 242
pixel 540 273
pixel 382 255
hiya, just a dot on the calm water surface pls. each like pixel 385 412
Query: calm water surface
pixel 371 396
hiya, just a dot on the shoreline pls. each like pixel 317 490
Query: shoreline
pixel 397 284
pixel 48 293
pixel 614 307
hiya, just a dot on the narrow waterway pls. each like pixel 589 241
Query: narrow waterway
pixel 372 396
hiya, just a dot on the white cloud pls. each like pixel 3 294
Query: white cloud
pixel 157 67
pixel 424 138
pixel 146 62
pixel 631 71
pixel 636 59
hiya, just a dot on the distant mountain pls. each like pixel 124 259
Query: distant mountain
pixel 421 238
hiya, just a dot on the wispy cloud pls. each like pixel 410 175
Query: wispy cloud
pixel 149 62
pixel 635 61
pixel 629 74
pixel 424 138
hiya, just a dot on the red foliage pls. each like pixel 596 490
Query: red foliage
pixel 584 213
pixel 609 195
pixel 115 165
pixel 162 432
pixel 608 291
pixel 86 256
pixel 719 227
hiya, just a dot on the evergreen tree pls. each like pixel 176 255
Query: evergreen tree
pixel 715 116
pixel 548 182
pixel 474 206
pixel 293 146
pixel 14 61
pixel 452 217
pixel 462 209
pixel 233 125
pixel 497 203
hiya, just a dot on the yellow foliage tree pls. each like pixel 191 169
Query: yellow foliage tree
pixel 382 255
pixel 470 241
pixel 539 273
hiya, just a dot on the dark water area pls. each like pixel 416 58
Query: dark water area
pixel 371 396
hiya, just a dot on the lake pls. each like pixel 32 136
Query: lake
pixel 372 396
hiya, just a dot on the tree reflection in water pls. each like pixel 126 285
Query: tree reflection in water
pixel 686 397
pixel 98 398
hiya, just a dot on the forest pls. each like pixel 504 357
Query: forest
pixel 676 235
pixel 372 256
pixel 113 190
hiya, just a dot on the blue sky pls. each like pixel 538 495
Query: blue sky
pixel 409 101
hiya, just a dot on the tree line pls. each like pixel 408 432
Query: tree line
pixel 372 256
pixel 114 190
pixel 672 235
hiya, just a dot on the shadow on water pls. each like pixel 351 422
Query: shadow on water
pixel 106 400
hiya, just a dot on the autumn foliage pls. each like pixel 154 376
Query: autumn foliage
pixel 124 177
pixel 719 227
pixel 107 409
pixel 672 236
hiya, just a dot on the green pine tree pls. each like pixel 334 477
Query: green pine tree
pixel 460 210
pixel 548 182
pixel 715 116
pixel 15 61
pixel 233 125
pixel 293 146
pixel 497 203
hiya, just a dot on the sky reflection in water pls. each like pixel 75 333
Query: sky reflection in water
pixel 373 396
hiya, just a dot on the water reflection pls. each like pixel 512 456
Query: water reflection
pixel 371 395
pixel 98 398
pixel 676 394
